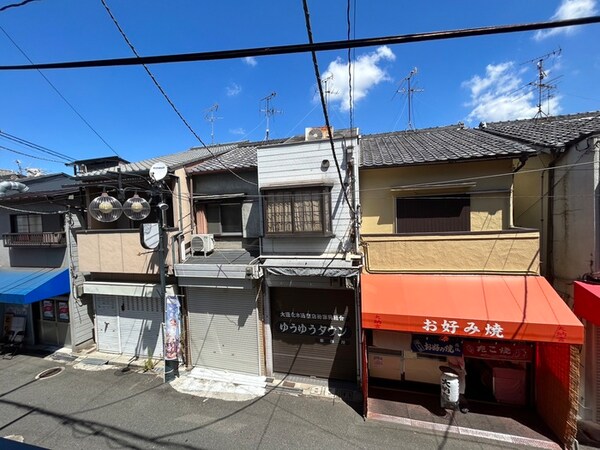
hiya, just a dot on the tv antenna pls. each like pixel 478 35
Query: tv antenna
pixel 409 91
pixel 543 88
pixel 327 90
pixel 269 110
pixel 210 117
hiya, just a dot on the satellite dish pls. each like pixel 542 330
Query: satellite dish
pixel 105 208
pixel 158 171
pixel 136 208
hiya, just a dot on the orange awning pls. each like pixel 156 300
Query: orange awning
pixel 587 301
pixel 477 306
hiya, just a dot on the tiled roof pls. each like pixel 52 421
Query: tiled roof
pixel 173 161
pixel 242 157
pixel 444 144
pixel 557 132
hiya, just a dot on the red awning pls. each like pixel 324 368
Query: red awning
pixel 478 306
pixel 587 301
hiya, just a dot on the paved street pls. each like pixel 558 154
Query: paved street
pixel 111 409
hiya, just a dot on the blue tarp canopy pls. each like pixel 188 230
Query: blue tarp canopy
pixel 32 284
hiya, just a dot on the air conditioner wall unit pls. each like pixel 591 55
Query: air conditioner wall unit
pixel 317 133
pixel 202 243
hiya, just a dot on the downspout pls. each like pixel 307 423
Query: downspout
pixel 550 224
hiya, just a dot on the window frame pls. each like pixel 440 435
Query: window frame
pixel 15 223
pixel 463 220
pixel 293 194
pixel 219 206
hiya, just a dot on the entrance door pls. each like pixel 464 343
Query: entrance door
pixel 54 322
pixel 107 324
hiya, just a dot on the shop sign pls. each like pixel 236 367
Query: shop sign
pixel 311 329
pixel 172 342
pixel 517 351
pixel 436 345
pixel 313 316
pixel 48 309
pixel 63 311
pixel 486 329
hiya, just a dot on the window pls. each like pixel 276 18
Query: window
pixel 27 223
pixel 224 219
pixel 433 214
pixel 303 211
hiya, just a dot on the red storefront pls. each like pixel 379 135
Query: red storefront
pixel 515 327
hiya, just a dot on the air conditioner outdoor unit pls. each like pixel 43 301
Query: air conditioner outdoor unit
pixel 202 243
pixel 316 133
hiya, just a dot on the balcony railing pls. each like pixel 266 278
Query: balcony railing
pixel 43 239
pixel 514 251
pixel 120 251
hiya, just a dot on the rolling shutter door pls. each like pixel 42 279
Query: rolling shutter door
pixel 223 328
pixel 107 324
pixel 140 326
pixel 314 332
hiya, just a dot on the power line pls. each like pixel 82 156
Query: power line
pixel 166 97
pixel 311 47
pixel 30 156
pixel 324 105
pixel 16 5
pixel 58 92
pixel 34 146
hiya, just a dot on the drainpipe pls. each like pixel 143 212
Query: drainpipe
pixel 550 224
pixel 12 186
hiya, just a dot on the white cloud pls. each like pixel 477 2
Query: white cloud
pixel 503 95
pixel 251 61
pixel 233 89
pixel 366 73
pixel 238 131
pixel 568 9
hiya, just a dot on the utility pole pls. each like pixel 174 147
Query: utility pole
pixel 210 117
pixel 269 110
pixel 409 91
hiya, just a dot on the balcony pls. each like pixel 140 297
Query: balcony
pixel 119 251
pixel 514 251
pixel 35 240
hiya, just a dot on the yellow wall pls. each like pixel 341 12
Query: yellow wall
pixel 489 211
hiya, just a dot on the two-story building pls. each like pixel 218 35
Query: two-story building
pixel 451 280
pixel 220 278
pixel 309 201
pixel 559 194
pixel 38 219
pixel 137 218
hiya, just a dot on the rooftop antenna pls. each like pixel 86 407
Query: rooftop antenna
pixel 327 90
pixel 409 91
pixel 269 111
pixel 543 88
pixel 18 161
pixel 210 117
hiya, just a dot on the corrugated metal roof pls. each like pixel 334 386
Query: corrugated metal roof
pixel 173 161
pixel 432 145
pixel 236 256
pixel 556 132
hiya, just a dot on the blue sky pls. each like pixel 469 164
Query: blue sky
pixel 471 79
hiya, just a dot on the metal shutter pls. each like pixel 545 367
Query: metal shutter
pixel 305 352
pixel 140 326
pixel 223 329
pixel 107 324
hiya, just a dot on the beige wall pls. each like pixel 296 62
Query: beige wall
pixel 489 208
pixel 515 252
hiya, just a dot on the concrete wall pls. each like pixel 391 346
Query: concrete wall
pixel 490 197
